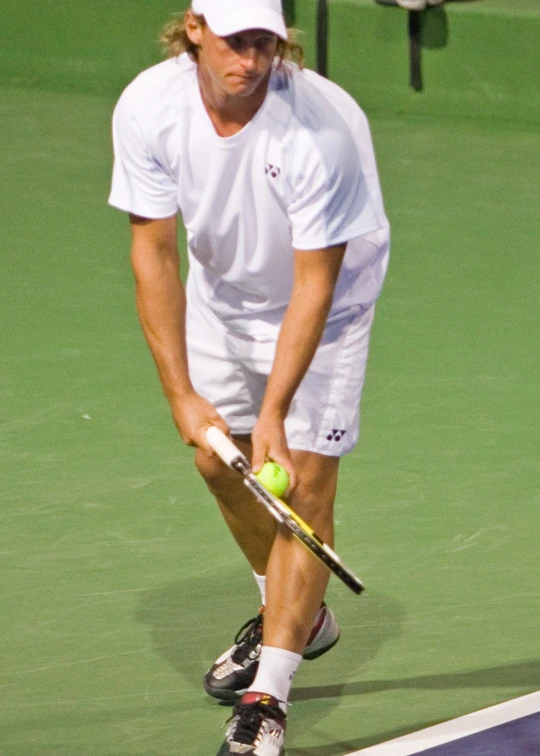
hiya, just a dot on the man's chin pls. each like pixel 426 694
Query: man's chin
pixel 241 86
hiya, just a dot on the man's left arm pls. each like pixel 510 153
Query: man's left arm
pixel 315 276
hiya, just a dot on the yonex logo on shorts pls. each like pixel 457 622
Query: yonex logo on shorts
pixel 336 435
pixel 273 170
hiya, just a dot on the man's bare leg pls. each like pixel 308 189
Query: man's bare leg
pixel 252 527
pixel 295 581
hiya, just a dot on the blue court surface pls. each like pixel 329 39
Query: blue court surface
pixel 511 728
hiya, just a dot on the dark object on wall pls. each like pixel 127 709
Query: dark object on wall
pixel 414 23
pixel 322 37
pixel 421 34
pixel 290 12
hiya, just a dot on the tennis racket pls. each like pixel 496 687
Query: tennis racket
pixel 233 457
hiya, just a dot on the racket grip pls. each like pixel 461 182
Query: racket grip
pixel 222 445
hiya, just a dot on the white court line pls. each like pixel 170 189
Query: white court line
pixel 469 724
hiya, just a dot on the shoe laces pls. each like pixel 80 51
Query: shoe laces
pixel 248 638
pixel 249 718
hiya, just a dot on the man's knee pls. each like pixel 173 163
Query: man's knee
pixel 312 504
pixel 314 497
pixel 216 474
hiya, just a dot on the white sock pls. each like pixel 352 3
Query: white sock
pixel 261 582
pixel 277 668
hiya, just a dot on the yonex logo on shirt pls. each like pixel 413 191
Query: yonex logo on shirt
pixel 273 170
pixel 336 435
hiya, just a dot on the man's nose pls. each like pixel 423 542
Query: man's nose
pixel 250 58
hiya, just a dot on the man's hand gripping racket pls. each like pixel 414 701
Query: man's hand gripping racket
pixel 233 457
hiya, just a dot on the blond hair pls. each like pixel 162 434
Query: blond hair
pixel 175 41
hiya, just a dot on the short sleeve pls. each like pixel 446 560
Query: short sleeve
pixel 332 201
pixel 140 185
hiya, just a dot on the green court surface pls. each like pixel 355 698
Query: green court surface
pixel 119 582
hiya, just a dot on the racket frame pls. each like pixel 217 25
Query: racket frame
pixel 280 511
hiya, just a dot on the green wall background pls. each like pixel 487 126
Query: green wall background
pixel 479 59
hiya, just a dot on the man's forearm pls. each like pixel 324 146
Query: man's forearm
pixel 299 337
pixel 161 304
pixel 316 273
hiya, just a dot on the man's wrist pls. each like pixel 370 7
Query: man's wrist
pixel 275 408
pixel 179 394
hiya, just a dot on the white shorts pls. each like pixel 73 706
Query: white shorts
pixel 231 371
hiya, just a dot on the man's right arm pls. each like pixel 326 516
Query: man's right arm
pixel 161 304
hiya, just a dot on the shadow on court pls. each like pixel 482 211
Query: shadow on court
pixel 523 677
pixel 193 621
pixel 348 746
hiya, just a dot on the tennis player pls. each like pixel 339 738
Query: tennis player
pixel 272 171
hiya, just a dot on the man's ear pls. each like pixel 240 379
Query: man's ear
pixel 193 28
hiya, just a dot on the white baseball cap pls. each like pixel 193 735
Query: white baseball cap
pixel 225 17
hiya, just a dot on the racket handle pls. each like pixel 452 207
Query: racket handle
pixel 223 446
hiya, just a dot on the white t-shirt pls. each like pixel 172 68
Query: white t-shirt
pixel 300 175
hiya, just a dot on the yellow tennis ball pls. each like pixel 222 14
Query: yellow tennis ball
pixel 273 477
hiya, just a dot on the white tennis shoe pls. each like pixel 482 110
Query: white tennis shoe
pixel 234 671
pixel 257 727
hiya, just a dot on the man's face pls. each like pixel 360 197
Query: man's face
pixel 239 64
